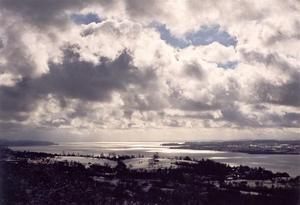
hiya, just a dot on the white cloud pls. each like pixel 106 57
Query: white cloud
pixel 119 74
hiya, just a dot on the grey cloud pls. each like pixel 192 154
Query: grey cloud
pixel 233 115
pixel 194 70
pixel 223 96
pixel 192 105
pixel 83 80
pixel 17 102
pixel 173 123
pixel 16 55
pixel 285 94
pixel 280 36
pixel 1 43
pixel 228 91
pixel 45 13
pixel 81 109
pixel 41 13
pixel 259 107
pixel 237 118
pixel 242 10
pixel 74 79
pixel 199 115
pixel 151 99
pixel 270 59
pixel 289 119
pixel 55 122
pixel 142 8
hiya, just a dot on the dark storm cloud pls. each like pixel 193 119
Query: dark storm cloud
pixel 76 79
pixel 259 107
pixel 194 70
pixel 289 119
pixel 16 102
pixel 233 115
pixel 40 13
pixel 193 105
pixel 141 8
pixel 44 13
pixel 1 43
pixel 285 94
pixel 84 80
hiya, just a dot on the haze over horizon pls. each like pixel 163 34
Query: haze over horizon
pixel 140 70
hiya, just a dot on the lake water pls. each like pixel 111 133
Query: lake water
pixel 276 163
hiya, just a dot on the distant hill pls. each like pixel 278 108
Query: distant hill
pixel 12 143
pixel 244 146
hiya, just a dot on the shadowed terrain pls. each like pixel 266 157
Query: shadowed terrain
pixel 38 178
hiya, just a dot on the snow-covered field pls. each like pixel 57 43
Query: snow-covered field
pixel 88 160
pixel 134 163
pixel 149 163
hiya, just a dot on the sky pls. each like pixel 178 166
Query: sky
pixel 149 69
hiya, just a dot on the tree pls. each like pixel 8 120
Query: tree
pixel 121 168
pixel 155 157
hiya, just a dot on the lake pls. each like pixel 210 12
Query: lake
pixel 275 163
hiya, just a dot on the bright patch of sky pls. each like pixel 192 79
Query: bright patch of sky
pixel 228 65
pixel 204 36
